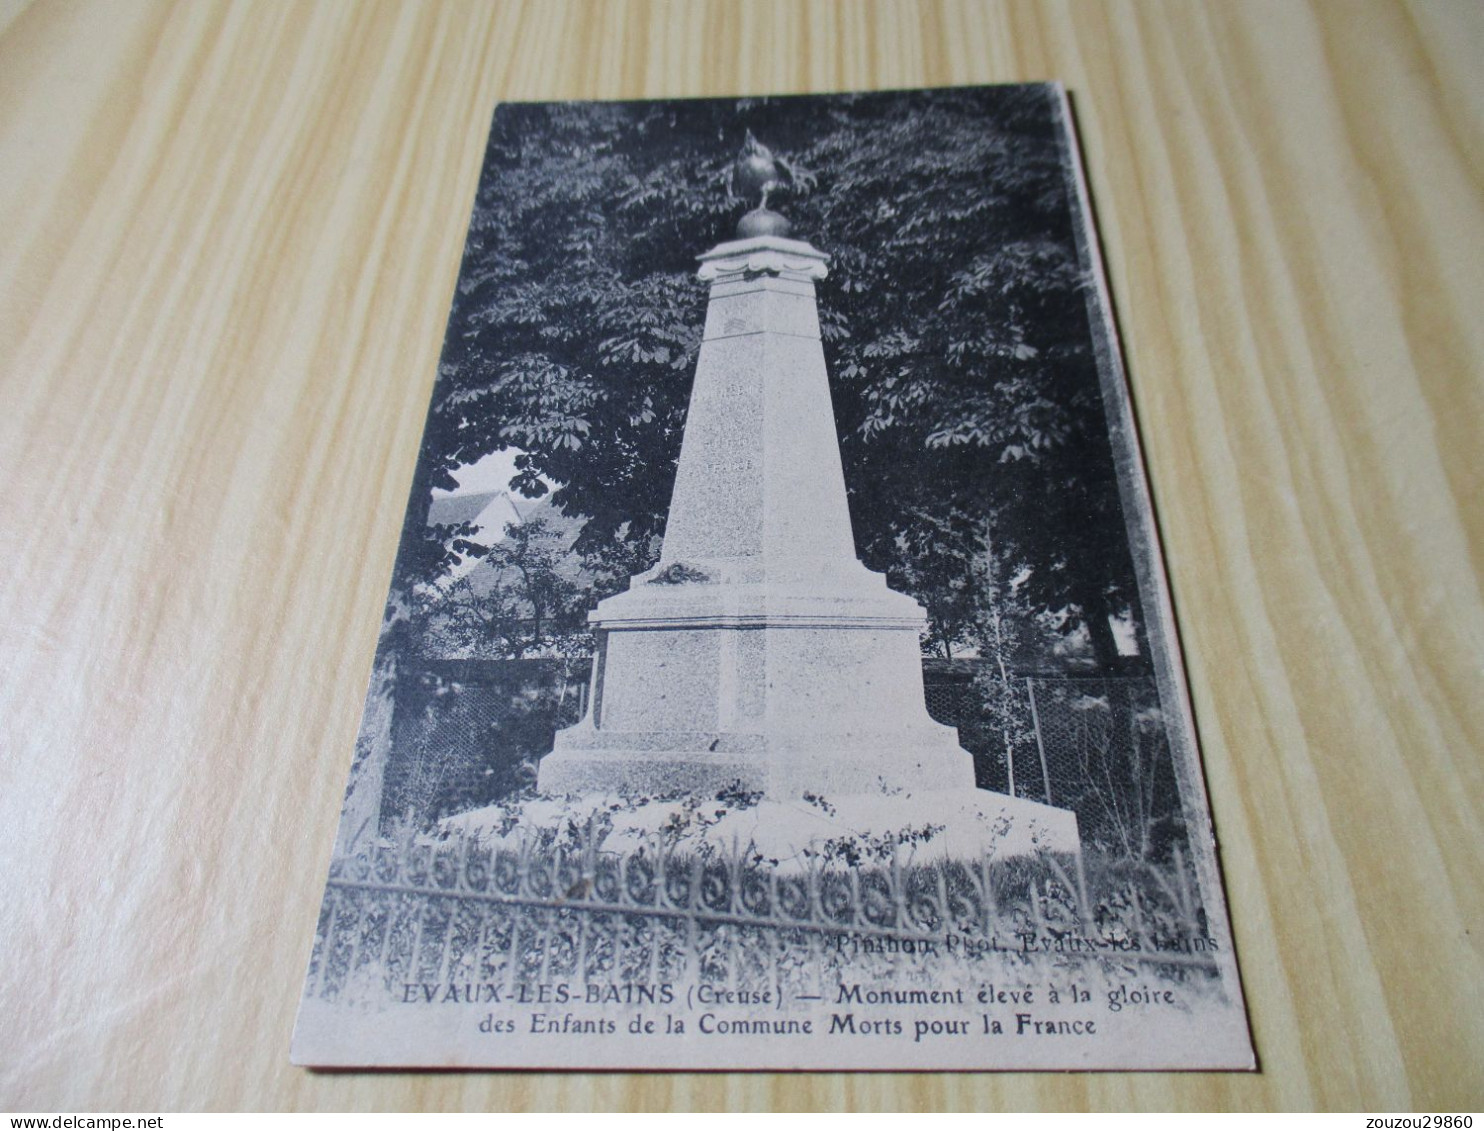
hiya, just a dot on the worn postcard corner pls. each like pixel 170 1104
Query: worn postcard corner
pixel 778 670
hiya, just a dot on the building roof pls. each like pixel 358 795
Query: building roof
pixel 452 510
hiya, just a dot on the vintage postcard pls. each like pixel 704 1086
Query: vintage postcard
pixel 778 670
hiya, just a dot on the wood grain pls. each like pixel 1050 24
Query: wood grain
pixel 230 236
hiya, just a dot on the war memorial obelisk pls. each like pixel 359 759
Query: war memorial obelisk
pixel 759 652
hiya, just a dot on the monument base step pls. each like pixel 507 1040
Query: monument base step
pixel 587 761
pixel 918 827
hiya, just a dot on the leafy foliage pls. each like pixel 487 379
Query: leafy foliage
pixel 526 604
pixel 955 321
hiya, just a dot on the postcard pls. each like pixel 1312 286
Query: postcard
pixel 778 670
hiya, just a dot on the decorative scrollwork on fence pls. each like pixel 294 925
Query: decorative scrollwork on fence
pixel 468 913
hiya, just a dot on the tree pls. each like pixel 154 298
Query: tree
pixel 525 602
pixel 965 386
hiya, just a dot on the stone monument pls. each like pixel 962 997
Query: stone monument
pixel 759 652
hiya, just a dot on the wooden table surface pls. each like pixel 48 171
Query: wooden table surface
pixel 228 239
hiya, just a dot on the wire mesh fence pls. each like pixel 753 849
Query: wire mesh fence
pixel 471 732
pixel 1097 745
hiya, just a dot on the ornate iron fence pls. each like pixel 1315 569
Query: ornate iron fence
pixel 551 909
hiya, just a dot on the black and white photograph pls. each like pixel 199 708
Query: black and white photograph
pixel 778 669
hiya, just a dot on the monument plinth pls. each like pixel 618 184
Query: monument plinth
pixel 759 651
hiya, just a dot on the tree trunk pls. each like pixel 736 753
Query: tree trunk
pixel 1099 631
